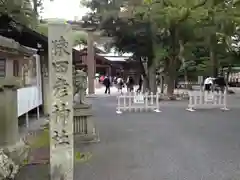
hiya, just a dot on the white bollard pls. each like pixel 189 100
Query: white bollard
pixel 151 98
pixel 146 101
pixel 217 98
pixel 157 109
pixel 119 105
pixel 129 102
pixel 225 101
pixel 202 100
pixel 134 96
pixel 141 108
pixel 124 102
pixel 196 96
pixel 191 102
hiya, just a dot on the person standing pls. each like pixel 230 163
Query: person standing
pixel 221 83
pixel 101 79
pixel 130 84
pixel 208 83
pixel 115 80
pixel 140 83
pixel 107 84
pixel 120 84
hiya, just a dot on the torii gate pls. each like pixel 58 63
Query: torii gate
pixel 93 35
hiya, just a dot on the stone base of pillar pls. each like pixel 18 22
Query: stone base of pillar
pixel 84 126
pixel 12 158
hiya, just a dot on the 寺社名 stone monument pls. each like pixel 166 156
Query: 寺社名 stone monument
pixel 61 101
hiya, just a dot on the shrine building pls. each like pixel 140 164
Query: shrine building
pixel 107 63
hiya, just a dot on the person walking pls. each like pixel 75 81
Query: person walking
pixel 120 84
pixel 130 84
pixel 220 83
pixel 140 83
pixel 208 83
pixel 101 79
pixel 107 84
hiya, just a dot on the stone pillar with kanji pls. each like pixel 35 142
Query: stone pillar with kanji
pixel 61 101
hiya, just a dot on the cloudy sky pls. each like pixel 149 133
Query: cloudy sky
pixel 63 9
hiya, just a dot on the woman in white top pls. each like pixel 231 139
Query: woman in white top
pixel 208 82
pixel 120 84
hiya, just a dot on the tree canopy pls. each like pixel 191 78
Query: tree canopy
pixel 24 11
pixel 20 10
pixel 181 36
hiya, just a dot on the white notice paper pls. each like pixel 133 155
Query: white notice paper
pixel 139 99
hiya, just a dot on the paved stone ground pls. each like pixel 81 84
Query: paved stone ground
pixel 171 145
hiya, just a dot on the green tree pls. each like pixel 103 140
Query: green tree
pixel 20 10
pixel 183 20
pixel 169 33
pixel 23 11
pixel 79 37
pixel 174 19
pixel 42 28
pixel 217 28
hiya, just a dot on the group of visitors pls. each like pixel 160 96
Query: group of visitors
pixel 120 83
pixel 210 83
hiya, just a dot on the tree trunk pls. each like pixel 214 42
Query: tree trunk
pixel 152 78
pixel 145 75
pixel 170 84
pixel 228 73
pixel 172 61
pixel 171 76
pixel 181 57
pixel 212 55
pixel 186 80
pixel 162 84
